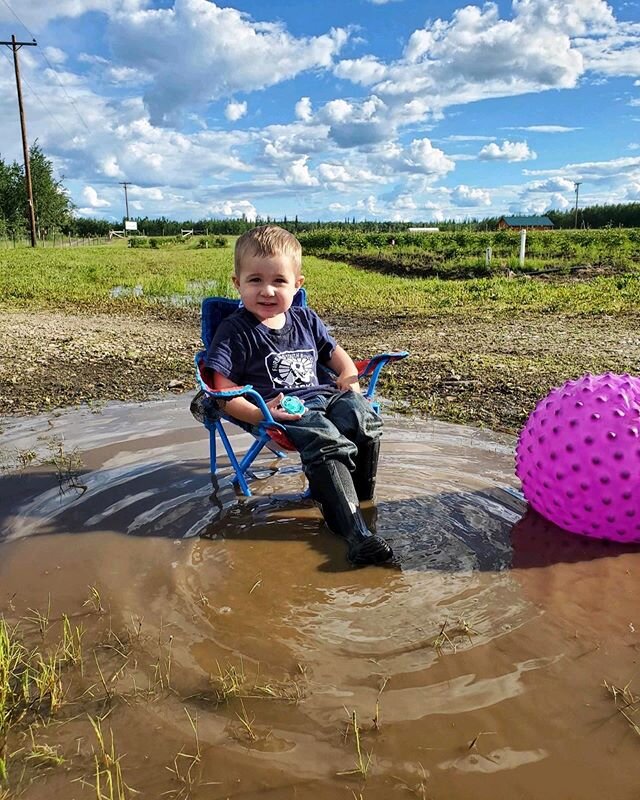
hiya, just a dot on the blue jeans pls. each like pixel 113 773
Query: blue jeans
pixel 333 428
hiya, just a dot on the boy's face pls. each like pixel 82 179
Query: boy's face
pixel 267 285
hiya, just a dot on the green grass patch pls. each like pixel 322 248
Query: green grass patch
pixel 114 275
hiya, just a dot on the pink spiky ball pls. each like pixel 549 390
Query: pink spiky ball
pixel 578 457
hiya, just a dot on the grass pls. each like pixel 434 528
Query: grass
pixel 86 277
pixel 362 759
pixel 47 673
pixel 109 781
pixel 187 767
pixel 232 682
pixel 626 702
pixel 453 635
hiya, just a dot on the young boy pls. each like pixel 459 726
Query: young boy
pixel 277 348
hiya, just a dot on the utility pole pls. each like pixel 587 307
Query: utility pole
pixel 15 46
pixel 126 202
pixel 576 186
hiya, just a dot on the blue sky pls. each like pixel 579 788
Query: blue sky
pixel 398 110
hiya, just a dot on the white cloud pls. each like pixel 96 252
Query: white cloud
pixel 37 13
pixel 125 75
pixel 235 111
pixel 366 70
pixel 507 151
pixel 551 185
pixel 228 52
pixel 542 128
pixel 146 192
pixel 470 138
pixel 55 55
pixel 467 196
pixel 232 209
pixel 358 123
pixel 297 174
pixel 341 177
pixel 303 109
pixel 91 197
pixel 595 170
pixel 615 54
pixel 419 158
pixel 478 55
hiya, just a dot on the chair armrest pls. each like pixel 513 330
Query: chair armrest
pixel 371 368
pixel 236 391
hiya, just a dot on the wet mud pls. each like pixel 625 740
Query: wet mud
pixel 474 663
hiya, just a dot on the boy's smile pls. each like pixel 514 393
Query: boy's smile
pixel 267 286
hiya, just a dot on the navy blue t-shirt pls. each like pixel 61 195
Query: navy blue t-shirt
pixel 273 361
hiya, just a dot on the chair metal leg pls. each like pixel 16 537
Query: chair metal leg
pixel 234 461
pixel 212 450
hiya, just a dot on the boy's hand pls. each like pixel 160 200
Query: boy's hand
pixel 346 381
pixel 279 414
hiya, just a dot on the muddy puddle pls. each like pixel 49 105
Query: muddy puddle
pixel 227 646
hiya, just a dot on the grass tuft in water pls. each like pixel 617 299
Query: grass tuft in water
pixel 94 601
pixel 626 702
pixel 187 767
pixel 452 636
pixel 363 760
pixel 109 781
pixel 232 682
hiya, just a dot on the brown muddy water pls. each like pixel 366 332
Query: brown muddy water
pixel 474 664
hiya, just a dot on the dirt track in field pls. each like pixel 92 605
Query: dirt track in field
pixel 480 370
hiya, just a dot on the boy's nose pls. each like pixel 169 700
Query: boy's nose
pixel 268 291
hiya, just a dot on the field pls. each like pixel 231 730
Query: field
pixel 466 253
pixel 87 324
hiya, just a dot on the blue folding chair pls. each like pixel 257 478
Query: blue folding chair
pixel 268 433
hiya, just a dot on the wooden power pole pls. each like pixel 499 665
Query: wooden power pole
pixel 126 204
pixel 576 186
pixel 15 46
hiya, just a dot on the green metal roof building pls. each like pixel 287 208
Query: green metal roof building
pixel 533 222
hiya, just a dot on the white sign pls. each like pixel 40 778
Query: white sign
pixel 130 225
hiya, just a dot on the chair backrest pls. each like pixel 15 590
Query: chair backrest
pixel 215 309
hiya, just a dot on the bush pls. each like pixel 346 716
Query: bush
pixel 138 241
pixel 211 241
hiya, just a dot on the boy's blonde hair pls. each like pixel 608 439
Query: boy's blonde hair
pixel 267 241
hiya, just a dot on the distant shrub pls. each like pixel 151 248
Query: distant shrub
pixel 212 241
pixel 138 241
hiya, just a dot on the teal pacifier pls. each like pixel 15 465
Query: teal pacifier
pixel 293 405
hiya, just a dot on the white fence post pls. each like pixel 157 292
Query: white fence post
pixel 523 244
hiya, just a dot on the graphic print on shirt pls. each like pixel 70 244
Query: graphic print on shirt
pixel 292 369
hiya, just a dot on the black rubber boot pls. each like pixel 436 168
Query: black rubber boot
pixel 364 477
pixel 332 488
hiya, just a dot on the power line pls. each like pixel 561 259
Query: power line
pixel 51 67
pixel 42 103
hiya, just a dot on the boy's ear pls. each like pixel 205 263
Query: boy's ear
pixel 299 281
pixel 235 281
